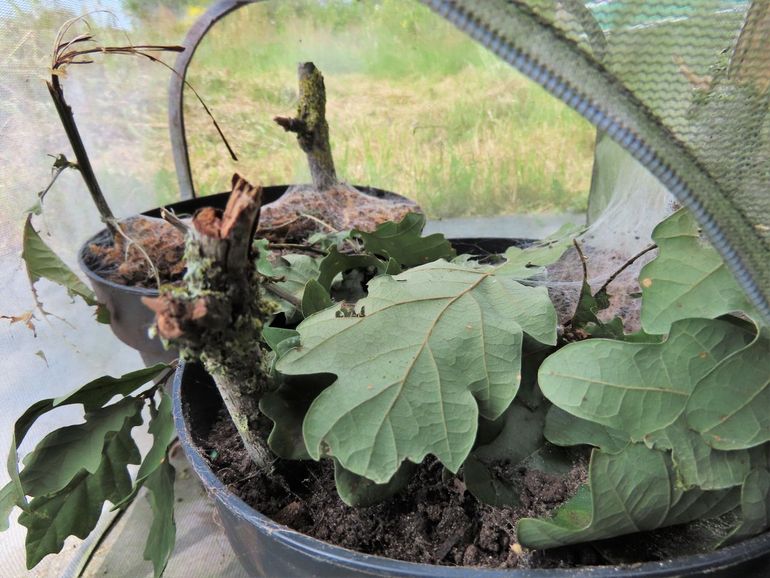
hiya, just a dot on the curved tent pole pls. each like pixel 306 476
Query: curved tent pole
pixel 176 90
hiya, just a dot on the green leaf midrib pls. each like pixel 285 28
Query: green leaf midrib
pixel 618 386
pixel 402 382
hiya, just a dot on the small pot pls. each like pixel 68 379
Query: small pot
pixel 130 320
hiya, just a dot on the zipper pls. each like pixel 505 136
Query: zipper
pixel 465 20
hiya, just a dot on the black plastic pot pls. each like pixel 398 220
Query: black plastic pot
pixel 129 318
pixel 266 548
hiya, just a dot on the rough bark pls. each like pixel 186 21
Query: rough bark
pixel 311 127
pixel 217 316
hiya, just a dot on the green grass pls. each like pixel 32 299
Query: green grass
pixel 413 105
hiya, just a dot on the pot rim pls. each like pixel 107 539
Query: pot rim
pixel 313 547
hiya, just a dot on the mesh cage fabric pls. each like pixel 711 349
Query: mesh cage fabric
pixel 682 85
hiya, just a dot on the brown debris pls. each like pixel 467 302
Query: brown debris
pixel 121 261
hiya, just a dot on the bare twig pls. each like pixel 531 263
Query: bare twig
pixel 625 266
pixel 171 218
pixel 320 222
pixel 283 294
pixel 70 52
pixel 142 251
pixel 296 247
pixel 583 259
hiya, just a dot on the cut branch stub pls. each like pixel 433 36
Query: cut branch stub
pixel 327 204
pixel 311 127
pixel 224 239
pixel 216 315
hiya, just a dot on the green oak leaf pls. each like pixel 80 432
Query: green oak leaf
pixel 360 492
pixel 492 471
pixel 92 395
pixel 755 506
pixel 286 407
pixel 638 388
pixel 98 392
pixel 315 298
pixel 531 261
pixel 335 263
pixel 328 240
pixel 627 492
pixel 162 534
pixel 273 336
pixel 163 433
pixel 402 241
pixel 687 278
pixel 564 429
pixel 63 453
pixel 43 263
pixel 729 406
pixel 296 271
pixel 264 265
pixel 439 345
pixel 7 504
pixel 585 314
pixel 75 509
pixel 696 463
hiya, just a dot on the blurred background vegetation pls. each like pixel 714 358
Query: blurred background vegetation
pixel 414 106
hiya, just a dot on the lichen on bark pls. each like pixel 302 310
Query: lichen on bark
pixel 217 315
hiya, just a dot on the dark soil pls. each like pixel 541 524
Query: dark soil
pixel 434 521
pixel 124 263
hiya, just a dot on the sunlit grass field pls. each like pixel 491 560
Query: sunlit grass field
pixel 413 105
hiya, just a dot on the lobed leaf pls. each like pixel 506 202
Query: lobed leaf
pixel 638 388
pixel 286 407
pixel 315 298
pixel 687 278
pixel 163 433
pixel 491 472
pixel 360 492
pixel 627 492
pixel 565 429
pixel 696 463
pixel 531 261
pixel 63 453
pixel 74 510
pixel 729 406
pixel 273 336
pixel 162 534
pixel 755 506
pixel 262 262
pixel 335 263
pixel 92 395
pixel 296 271
pixel 43 263
pixel 438 346
pixel 403 242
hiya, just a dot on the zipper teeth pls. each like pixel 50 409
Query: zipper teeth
pixel 623 135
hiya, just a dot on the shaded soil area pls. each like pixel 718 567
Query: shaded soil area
pixel 435 520
pixel 150 247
